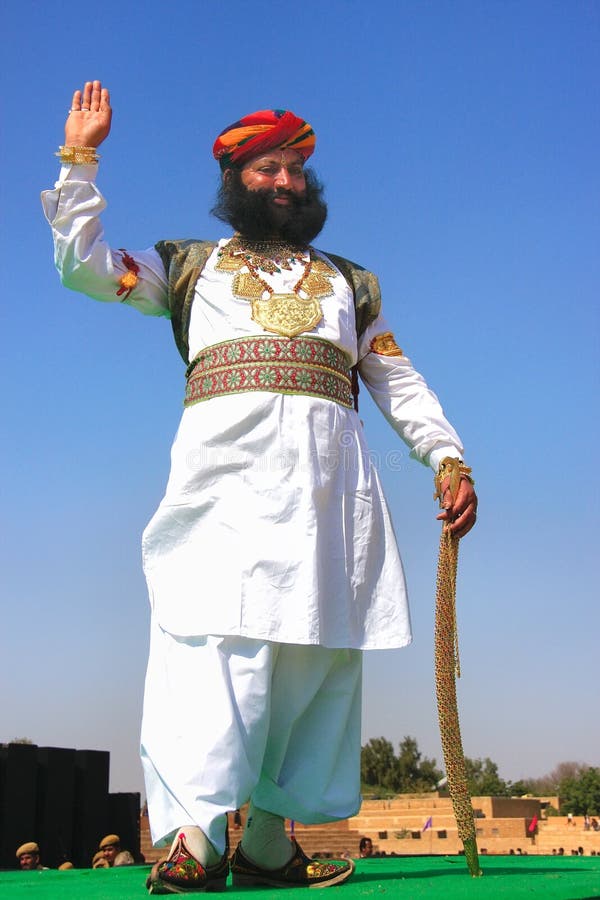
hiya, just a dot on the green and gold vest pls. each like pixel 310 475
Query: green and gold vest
pixel 185 260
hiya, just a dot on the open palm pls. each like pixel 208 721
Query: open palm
pixel 88 122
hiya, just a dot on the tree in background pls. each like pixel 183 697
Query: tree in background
pixel 483 779
pixel 377 764
pixel 576 784
pixel 550 784
pixel 409 772
pixel 414 773
pixel 580 794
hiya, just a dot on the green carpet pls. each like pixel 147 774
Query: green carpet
pixel 413 878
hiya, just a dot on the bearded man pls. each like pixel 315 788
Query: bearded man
pixel 271 561
pixel 28 856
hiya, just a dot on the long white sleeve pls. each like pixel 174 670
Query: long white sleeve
pixel 411 408
pixel 84 260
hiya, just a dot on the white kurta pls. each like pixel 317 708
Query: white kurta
pixel 274 525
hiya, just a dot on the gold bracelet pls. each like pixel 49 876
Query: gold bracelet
pixel 453 468
pixel 78 156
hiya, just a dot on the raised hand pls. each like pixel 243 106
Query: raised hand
pixel 88 122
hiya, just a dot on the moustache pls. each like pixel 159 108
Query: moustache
pixel 284 192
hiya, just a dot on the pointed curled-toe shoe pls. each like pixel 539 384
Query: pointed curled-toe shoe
pixel 181 873
pixel 300 871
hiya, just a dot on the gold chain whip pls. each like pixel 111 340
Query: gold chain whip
pixel 447 669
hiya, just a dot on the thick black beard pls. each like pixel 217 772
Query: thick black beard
pixel 257 218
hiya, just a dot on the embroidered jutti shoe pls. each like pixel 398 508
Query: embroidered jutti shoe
pixel 181 873
pixel 300 871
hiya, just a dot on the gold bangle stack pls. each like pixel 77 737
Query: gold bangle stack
pixel 453 468
pixel 78 156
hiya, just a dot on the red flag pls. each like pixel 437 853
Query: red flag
pixel 533 825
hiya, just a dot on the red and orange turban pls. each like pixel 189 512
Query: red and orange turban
pixel 267 129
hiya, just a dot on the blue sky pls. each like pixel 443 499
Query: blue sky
pixel 459 146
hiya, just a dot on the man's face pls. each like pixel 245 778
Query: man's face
pixel 280 171
pixel 110 853
pixel 272 197
pixel 29 861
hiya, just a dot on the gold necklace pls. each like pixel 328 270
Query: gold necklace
pixel 268 256
pixel 284 314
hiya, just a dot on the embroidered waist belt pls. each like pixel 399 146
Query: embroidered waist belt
pixel 300 365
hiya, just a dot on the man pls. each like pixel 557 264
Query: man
pixel 110 847
pixel 271 561
pixel 28 856
pixel 365 848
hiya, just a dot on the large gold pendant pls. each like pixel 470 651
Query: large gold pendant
pixel 287 314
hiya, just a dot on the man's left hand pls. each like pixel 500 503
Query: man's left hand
pixel 460 512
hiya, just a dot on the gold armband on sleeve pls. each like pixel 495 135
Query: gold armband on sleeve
pixel 385 345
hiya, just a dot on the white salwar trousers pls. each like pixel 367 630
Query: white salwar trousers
pixel 231 718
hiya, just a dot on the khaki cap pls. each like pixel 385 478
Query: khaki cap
pixel 111 840
pixel 29 847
